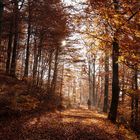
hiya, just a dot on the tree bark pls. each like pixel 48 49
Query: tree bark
pixel 135 102
pixel 115 82
pixel 39 59
pixel 93 86
pixel 61 86
pixel 1 18
pixel 35 61
pixel 49 71
pixel 123 85
pixel 106 83
pixel 53 83
pixel 28 43
pixel 90 82
pixel 9 50
pixel 15 45
pixel 1 15
pixel 115 76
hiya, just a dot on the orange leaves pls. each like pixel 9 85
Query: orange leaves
pixel 70 124
pixel 99 3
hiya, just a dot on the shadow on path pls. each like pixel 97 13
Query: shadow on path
pixel 67 125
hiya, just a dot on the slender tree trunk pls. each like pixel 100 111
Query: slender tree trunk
pixel 74 91
pixel 14 57
pixel 39 59
pixel 49 71
pixel 106 83
pixel 53 84
pixel 38 75
pixel 15 45
pixel 99 87
pixel 43 66
pixel 90 81
pixel 9 50
pixel 135 103
pixel 132 112
pixel 69 99
pixel 1 16
pixel 22 65
pixel 28 46
pixel 81 90
pixel 123 84
pixel 35 61
pixel 115 82
pixel 93 86
pixel 41 77
pixel 61 87
pixel 136 96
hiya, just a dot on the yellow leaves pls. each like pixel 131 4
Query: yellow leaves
pixel 121 59
pixel 127 133
pixel 130 91
pixel 117 20
pixel 137 33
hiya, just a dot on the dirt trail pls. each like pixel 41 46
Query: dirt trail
pixel 74 124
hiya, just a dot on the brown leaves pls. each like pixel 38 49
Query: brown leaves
pixel 70 124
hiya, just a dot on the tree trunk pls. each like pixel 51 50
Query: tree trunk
pixel 93 86
pixel 49 71
pixel 90 81
pixel 123 84
pixel 39 58
pixel 135 103
pixel 9 50
pixel 74 91
pixel 61 86
pixel 41 77
pixel 1 49
pixel 136 96
pixel 132 112
pixel 53 84
pixel 1 15
pixel 28 46
pixel 35 61
pixel 106 83
pixel 80 85
pixel 115 82
pixel 15 45
pixel 115 77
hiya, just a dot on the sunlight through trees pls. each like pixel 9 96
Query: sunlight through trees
pixel 71 54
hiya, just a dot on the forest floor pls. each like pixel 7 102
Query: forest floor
pixel 72 124
pixel 20 120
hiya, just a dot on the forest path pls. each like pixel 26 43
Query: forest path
pixel 73 124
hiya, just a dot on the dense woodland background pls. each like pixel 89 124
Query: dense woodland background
pixel 56 55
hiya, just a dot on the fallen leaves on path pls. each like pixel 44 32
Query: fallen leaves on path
pixel 74 124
